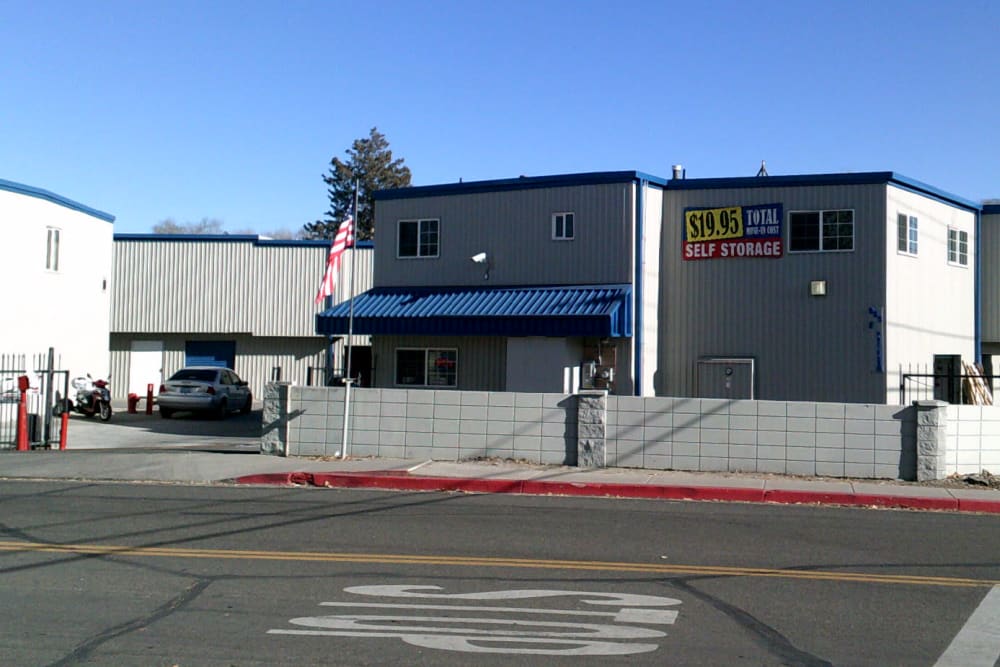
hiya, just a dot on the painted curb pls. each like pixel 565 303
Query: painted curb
pixel 393 480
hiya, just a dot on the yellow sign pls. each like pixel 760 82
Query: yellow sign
pixel 711 224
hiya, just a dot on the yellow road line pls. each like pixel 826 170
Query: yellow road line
pixel 459 561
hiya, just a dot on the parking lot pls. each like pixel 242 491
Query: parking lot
pixel 240 433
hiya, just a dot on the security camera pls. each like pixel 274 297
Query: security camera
pixel 479 258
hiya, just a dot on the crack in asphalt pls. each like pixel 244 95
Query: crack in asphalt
pixel 86 649
pixel 761 633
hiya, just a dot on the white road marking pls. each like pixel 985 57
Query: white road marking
pixel 653 616
pixel 615 599
pixel 493 634
pixel 977 644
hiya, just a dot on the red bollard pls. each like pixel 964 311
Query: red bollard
pixel 22 415
pixel 149 399
pixel 62 432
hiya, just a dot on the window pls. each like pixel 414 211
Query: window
pixel 418 238
pixel 562 226
pixel 427 367
pixel 820 231
pixel 958 247
pixel 52 249
pixel 906 234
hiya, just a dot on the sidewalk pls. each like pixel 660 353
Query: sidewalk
pixel 187 466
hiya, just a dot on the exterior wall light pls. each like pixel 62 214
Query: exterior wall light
pixel 817 288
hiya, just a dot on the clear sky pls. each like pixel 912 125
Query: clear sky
pixel 233 109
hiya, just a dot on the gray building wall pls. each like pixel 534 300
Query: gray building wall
pixel 514 227
pixel 805 348
pixel 990 249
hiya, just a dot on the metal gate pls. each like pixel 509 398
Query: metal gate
pixel 47 390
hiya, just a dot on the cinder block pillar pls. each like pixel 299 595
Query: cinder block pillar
pixel 932 441
pixel 592 419
pixel 274 427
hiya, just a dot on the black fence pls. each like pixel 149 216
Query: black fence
pixel 47 387
pixel 958 389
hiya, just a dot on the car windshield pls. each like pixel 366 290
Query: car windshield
pixel 199 374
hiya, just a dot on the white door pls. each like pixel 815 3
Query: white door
pixel 145 366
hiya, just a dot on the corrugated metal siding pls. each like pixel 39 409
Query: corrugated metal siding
pixel 991 278
pixel 482 360
pixel 806 348
pixel 224 287
pixel 515 229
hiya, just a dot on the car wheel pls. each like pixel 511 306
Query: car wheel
pixel 223 410
pixel 166 413
pixel 248 406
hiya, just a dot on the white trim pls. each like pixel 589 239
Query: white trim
pixel 561 217
pixel 957 262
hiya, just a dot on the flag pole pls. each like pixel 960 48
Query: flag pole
pixel 344 446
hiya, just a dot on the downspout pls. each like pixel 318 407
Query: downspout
pixel 640 206
pixel 979 289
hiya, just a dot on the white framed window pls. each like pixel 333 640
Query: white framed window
pixel 958 247
pixel 563 226
pixel 417 238
pixel 821 231
pixel 426 367
pixel 906 233
pixel 52 249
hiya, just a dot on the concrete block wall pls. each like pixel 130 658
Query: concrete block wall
pixel 973 436
pixel 434 424
pixel 831 439
pixel 796 438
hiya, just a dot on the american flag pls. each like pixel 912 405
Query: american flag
pixel 343 240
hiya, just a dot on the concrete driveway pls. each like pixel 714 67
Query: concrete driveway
pixel 237 432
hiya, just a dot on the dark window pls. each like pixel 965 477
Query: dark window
pixel 410 367
pixel 562 226
pixel 427 367
pixel 418 238
pixel 816 231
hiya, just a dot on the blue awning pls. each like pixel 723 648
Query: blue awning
pixel 562 311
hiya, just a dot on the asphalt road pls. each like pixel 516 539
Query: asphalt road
pixel 102 574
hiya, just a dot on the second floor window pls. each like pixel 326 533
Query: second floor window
pixel 417 238
pixel 906 234
pixel 821 231
pixel 958 247
pixel 52 249
pixel 562 226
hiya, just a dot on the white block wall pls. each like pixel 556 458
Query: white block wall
pixel 830 439
pixel 973 439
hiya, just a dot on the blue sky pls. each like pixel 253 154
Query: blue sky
pixel 233 110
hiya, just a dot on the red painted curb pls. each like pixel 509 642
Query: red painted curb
pixel 394 480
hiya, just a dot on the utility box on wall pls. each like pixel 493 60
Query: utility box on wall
pixel 725 378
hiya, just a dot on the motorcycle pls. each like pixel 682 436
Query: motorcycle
pixel 93 397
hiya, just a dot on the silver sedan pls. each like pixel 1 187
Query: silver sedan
pixel 206 389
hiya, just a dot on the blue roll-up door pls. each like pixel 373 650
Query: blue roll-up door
pixel 220 353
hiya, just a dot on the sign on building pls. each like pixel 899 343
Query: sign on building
pixel 731 232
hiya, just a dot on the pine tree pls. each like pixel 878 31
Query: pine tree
pixel 369 161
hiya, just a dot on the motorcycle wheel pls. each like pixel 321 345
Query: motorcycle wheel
pixel 105 411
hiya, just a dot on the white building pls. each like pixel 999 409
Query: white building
pixel 56 259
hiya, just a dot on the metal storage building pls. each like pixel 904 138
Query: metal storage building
pixel 238 300
pixel 875 274
pixel 510 284
pixel 814 288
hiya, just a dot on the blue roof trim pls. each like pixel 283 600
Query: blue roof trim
pixel 234 238
pixel 523 183
pixel 991 209
pixel 576 310
pixel 39 193
pixel 859 178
